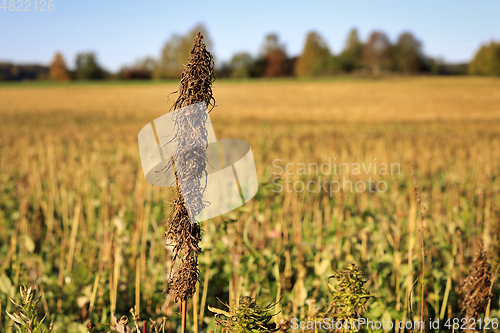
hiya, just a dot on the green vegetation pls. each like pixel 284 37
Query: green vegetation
pixel 349 296
pixel 27 321
pixel 246 317
pixel 486 61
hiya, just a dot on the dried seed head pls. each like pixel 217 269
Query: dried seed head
pixel 195 86
pixel 477 287
pixel 90 325
pixel 123 320
pixel 197 77
pixel 283 325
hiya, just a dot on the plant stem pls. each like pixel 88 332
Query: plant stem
pixel 417 195
pixel 184 314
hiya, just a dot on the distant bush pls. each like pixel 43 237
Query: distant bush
pixel 13 72
pixel 137 74
pixel 486 61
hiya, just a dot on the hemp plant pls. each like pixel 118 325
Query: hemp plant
pixel 349 297
pixel 27 320
pixel 188 163
pixel 246 317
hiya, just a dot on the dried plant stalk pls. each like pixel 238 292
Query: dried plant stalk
pixel 184 236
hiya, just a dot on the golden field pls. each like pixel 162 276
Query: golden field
pixel 402 99
pixel 78 218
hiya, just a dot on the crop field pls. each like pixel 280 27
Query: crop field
pixel 79 221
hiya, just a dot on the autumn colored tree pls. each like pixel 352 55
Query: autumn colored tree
pixel 408 56
pixel 58 70
pixel 277 64
pixel 314 57
pixel 135 74
pixel 486 60
pixel 377 52
pixel 176 51
pixel 351 56
pixel 275 57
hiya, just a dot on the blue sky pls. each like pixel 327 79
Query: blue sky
pixel 122 31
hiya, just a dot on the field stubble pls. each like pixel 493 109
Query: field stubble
pixel 75 205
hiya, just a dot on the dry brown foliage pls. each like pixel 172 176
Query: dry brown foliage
pixel 191 138
pixel 477 287
pixel 58 70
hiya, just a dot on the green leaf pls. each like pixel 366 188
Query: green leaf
pixel 15 318
pixel 6 286
pixel 219 311
pixel 28 242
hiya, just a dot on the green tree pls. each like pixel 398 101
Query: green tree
pixel 351 57
pixel 377 52
pixel 87 67
pixel 148 63
pixel 241 64
pixel 176 51
pixel 314 58
pixel 408 56
pixel 142 68
pixel 487 60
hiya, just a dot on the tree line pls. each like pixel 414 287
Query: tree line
pixel 376 56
